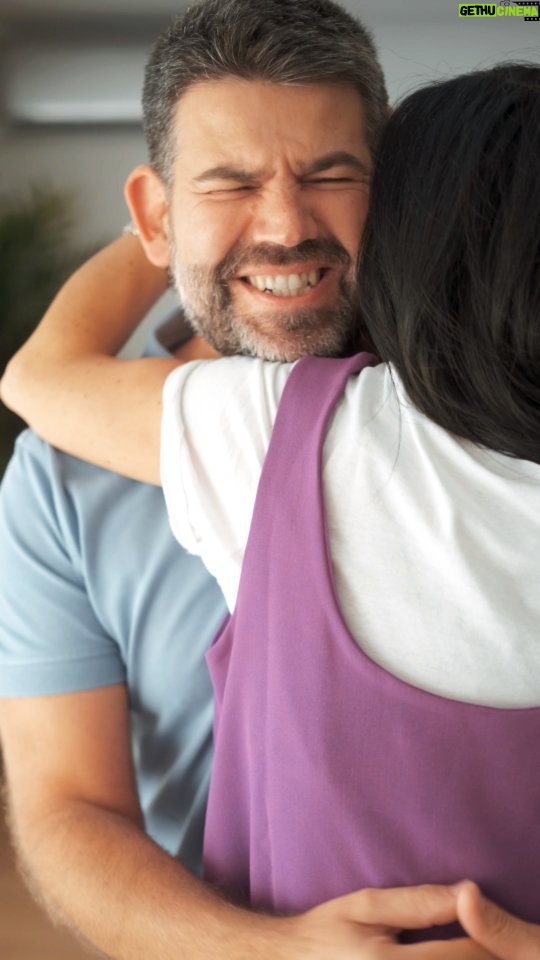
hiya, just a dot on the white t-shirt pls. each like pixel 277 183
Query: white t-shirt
pixel 435 542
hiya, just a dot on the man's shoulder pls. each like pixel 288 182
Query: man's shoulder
pixel 87 561
pixel 31 451
pixel 35 464
pixel 48 497
pixel 29 447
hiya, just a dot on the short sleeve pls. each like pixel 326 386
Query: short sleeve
pixel 217 421
pixel 51 640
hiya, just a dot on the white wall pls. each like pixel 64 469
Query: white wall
pixel 92 165
pixel 416 47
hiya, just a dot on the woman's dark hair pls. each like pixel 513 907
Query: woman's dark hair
pixel 450 267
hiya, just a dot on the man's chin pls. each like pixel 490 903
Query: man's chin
pixel 289 343
pixel 258 347
pixel 284 340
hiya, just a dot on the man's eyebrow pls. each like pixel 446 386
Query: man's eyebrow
pixel 225 171
pixel 339 158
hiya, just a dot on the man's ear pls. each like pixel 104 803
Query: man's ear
pixel 146 197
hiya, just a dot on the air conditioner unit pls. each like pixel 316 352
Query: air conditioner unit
pixel 74 84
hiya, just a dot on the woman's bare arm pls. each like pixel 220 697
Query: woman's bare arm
pixel 66 381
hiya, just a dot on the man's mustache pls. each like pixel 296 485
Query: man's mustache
pixel 327 249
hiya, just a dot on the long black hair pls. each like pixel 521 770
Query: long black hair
pixel 450 266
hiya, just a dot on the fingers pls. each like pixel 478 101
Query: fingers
pixel 401 908
pixel 503 934
pixel 462 949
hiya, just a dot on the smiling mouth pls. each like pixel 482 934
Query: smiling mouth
pixel 286 285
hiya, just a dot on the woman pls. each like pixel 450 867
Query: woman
pixel 378 709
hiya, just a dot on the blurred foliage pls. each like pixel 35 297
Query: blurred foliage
pixel 36 256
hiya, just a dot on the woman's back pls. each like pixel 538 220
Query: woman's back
pixel 435 544
pixel 331 773
pixel 433 539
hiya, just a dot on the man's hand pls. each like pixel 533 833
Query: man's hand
pixel 498 931
pixel 365 925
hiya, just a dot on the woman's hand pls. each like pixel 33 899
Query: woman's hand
pixel 498 931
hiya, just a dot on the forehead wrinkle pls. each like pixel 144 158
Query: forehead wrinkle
pixel 225 171
pixel 336 158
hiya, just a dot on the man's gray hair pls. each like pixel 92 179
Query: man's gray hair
pixel 281 41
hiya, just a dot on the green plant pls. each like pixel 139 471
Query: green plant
pixel 36 256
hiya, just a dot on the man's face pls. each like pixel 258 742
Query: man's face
pixel 268 202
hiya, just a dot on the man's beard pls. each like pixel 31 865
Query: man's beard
pixel 276 335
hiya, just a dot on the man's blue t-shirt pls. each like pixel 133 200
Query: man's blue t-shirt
pixel 94 590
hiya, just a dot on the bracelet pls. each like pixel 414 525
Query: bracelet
pixel 130 228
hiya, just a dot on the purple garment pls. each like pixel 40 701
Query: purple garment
pixel 330 774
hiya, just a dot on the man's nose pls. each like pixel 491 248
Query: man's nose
pixel 283 216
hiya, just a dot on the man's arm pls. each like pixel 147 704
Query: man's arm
pixel 78 829
pixel 79 833
pixel 66 381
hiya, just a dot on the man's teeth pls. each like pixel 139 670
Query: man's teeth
pixel 286 285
